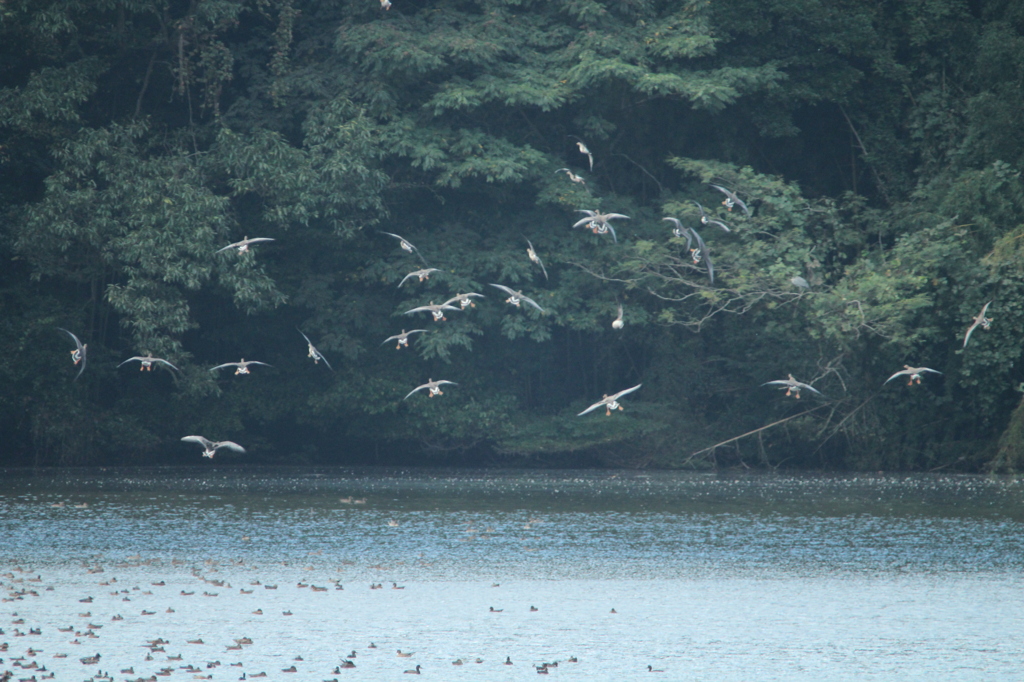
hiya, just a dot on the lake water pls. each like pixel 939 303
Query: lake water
pixel 706 577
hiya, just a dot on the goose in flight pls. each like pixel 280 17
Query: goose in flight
pixel 433 386
pixel 78 354
pixel 979 321
pixel 583 150
pixel 534 258
pixel 242 367
pixel 705 220
pixel 698 254
pixel 597 222
pixel 243 245
pixel 618 323
pixel 516 297
pixel 437 310
pixel 403 338
pixel 609 402
pixel 731 199
pixel 572 176
pixel 913 372
pixel 792 386
pixel 147 361
pixel 422 274
pixel 210 447
pixel 406 245
pixel 314 353
pixel 464 300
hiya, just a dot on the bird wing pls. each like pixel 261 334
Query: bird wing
pixel 735 199
pixel 226 364
pixel 159 360
pixel 505 289
pixel 542 268
pixel 612 216
pixel 781 382
pixel 229 246
pixel 899 373
pixel 78 343
pixel 720 224
pixel 705 255
pixel 625 392
pixel 305 337
pixel 810 388
pixel 612 230
pixel 198 439
pixel 424 308
pixel 928 369
pixel 418 388
pixel 411 274
pixel 256 240
pixel 256 362
pixel 229 445
pixel 593 407
pixel 586 220
pixel 530 301
pixel 970 330
pixel 139 359
pixel 324 359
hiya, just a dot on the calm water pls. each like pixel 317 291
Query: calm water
pixel 710 577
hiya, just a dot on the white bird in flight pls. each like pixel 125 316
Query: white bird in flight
pixel 609 402
pixel 792 386
pixel 515 297
pixel 241 367
pixel 314 353
pixel 210 447
pixel 913 372
pixel 78 354
pixel 979 321
pixel 147 362
pixel 433 386
pixel 243 245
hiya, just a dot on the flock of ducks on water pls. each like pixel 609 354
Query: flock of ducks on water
pixel 30 662
pixel 598 223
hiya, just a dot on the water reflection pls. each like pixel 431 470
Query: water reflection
pixel 710 577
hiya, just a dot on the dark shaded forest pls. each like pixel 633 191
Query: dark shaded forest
pixel 876 145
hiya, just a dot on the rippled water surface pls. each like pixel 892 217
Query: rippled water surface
pixel 705 577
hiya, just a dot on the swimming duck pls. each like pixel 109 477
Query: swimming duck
pixel 242 367
pixel 572 176
pixel 78 355
pixel 414 671
pixel 210 447
pixel 913 372
pixel 516 297
pixel 406 245
pixel 597 222
pixel 651 669
pixel 792 386
pixel 508 660
pixel 583 150
pixel 403 338
pixel 698 254
pixel 610 402
pixel 979 320
pixel 147 362
pixel 534 258
pixel 464 300
pixel 314 353
pixel 402 654
pixel 705 220
pixel 494 610
pixel 422 274
pixel 437 310
pixel 731 199
pixel 433 386
pixel 243 245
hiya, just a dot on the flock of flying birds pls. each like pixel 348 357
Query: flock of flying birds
pixel 598 223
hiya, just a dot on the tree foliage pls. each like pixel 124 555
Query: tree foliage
pixel 878 147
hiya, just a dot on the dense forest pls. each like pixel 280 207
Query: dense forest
pixel 877 147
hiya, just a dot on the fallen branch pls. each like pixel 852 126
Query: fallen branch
pixel 751 433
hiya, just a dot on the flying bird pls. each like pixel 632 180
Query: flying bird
pixel 210 447
pixel 731 199
pixel 147 362
pixel 433 386
pixel 609 402
pixel 464 300
pixel 597 222
pixel 78 354
pixel 572 176
pixel 913 372
pixel 314 353
pixel 435 309
pixel 979 321
pixel 583 150
pixel 534 258
pixel 515 297
pixel 705 220
pixel 618 323
pixel 243 245
pixel 422 274
pixel 406 245
pixel 403 338
pixel 792 386
pixel 698 254
pixel 242 367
